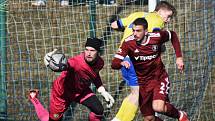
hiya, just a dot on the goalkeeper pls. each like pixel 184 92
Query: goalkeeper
pixel 73 85
pixel 163 13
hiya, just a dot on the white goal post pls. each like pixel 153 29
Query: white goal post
pixel 152 4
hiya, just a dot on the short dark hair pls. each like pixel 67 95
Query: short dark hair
pixel 141 21
pixel 166 5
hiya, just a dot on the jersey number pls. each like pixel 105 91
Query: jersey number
pixel 164 87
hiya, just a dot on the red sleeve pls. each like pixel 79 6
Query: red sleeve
pixel 176 44
pixel 171 35
pixel 98 82
pixel 116 63
pixel 70 63
pixel 119 56
pixel 165 36
pixel 99 65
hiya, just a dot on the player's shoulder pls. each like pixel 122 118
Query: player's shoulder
pixel 140 12
pixel 154 34
pixel 99 63
pixel 77 58
pixel 100 60
pixel 152 15
pixel 152 24
pixel 137 14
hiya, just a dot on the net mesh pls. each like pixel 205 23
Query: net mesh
pixel 32 31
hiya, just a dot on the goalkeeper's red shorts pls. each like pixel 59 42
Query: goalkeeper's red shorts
pixel 153 90
pixel 60 101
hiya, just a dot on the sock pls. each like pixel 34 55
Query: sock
pixel 121 111
pixel 42 113
pixel 94 117
pixel 171 111
pixel 127 111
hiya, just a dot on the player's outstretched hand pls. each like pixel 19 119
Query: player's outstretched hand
pixel 108 98
pixel 180 64
pixel 47 57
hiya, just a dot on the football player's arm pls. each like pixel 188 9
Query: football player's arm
pixel 121 24
pixel 71 64
pixel 176 44
pixel 171 35
pixel 98 81
pixel 118 62
pixel 100 65
pixel 177 48
pixel 114 25
pixel 101 89
pixel 117 25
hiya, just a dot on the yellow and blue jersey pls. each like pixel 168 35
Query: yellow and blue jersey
pixel 154 22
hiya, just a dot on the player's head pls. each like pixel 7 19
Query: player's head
pixel 140 27
pixel 92 48
pixel 165 10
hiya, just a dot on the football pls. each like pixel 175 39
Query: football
pixel 58 62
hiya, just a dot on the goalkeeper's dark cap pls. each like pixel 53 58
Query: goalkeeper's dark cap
pixel 94 42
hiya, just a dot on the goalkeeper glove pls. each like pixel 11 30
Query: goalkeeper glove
pixel 108 98
pixel 47 57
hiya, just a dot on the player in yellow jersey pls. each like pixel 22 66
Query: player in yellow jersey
pixel 162 14
pixel 154 21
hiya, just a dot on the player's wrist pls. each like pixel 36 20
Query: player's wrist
pixel 179 58
pixel 101 89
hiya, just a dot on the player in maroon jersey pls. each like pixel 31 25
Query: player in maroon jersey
pixel 144 50
pixel 73 85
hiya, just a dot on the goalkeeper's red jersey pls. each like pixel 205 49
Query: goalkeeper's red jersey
pixel 79 75
pixel 146 57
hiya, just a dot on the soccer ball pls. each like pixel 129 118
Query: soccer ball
pixel 58 62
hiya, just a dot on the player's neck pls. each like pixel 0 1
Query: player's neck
pixel 143 40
